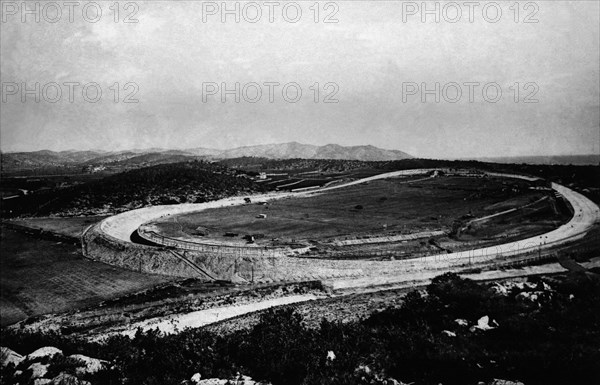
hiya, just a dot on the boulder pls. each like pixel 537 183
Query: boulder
pixel 496 381
pixel 90 365
pixel 38 370
pixel 525 285
pixel 9 356
pixel 546 287
pixel 196 378
pixel 499 289
pixel 461 322
pixel 246 380
pixel 212 381
pixel 46 351
pixel 330 355
pixel 484 324
pixel 364 369
pixel 527 296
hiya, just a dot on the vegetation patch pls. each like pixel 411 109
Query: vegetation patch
pixel 545 331
pixel 188 182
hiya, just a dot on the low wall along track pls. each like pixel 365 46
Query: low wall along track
pixel 126 240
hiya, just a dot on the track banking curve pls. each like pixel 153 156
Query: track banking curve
pixel 586 214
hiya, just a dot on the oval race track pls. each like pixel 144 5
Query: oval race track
pixel 121 226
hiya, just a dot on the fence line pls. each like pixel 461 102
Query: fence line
pixel 218 249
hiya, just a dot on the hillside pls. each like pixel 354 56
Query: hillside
pixel 72 162
pixel 195 181
pixel 83 161
pixel 297 165
pixel 44 158
pixel 127 160
pixel 306 151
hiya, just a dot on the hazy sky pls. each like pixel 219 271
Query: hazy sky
pixel 171 54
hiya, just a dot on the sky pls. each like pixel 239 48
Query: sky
pixel 367 72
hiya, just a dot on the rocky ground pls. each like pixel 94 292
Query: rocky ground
pixel 49 366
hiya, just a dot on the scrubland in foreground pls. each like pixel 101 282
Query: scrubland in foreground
pixel 544 332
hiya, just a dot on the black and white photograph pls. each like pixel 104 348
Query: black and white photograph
pixel 308 192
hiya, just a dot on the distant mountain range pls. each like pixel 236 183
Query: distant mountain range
pixel 294 150
pixel 153 156
pixel 136 158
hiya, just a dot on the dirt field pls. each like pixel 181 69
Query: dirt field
pixel 379 208
pixel 41 276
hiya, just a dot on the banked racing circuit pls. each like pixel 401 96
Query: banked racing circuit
pixel 113 241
